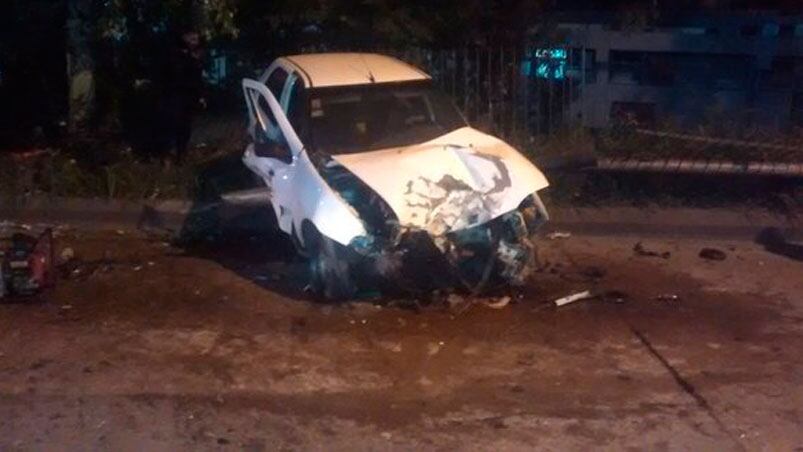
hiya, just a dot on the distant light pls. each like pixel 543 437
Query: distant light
pixel 549 63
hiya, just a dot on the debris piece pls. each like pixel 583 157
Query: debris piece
pixel 499 303
pixel 433 348
pixel 67 254
pixel 639 249
pixel 668 297
pixel 615 296
pixel 558 235
pixel 572 298
pixel 454 300
pixel 713 254
pixel 386 435
pixel 66 307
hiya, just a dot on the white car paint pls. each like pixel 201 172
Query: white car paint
pixel 298 192
pixel 342 69
pixel 494 179
pixel 459 180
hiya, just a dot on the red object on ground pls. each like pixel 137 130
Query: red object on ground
pixel 42 259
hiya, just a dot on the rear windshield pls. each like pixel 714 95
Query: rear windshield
pixel 363 118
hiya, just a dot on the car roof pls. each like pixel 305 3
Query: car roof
pixel 347 69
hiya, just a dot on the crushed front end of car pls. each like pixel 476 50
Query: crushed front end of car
pixel 442 229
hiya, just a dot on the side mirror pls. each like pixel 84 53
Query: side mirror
pixel 273 150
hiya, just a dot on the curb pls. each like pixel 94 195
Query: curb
pixel 177 215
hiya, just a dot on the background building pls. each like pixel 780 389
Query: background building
pixel 738 70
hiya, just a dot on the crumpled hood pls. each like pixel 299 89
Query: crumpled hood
pixel 459 180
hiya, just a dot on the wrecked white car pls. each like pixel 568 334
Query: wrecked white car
pixel 379 180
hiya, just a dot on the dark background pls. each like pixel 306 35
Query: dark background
pixel 128 43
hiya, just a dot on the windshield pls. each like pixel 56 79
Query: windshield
pixel 369 117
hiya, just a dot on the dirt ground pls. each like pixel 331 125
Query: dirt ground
pixel 148 346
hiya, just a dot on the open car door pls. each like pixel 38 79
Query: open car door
pixel 274 150
pixel 275 145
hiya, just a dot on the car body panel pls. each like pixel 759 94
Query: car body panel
pixel 340 69
pixel 459 180
pixel 467 196
pixel 297 191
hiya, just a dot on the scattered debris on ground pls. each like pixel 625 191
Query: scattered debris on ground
pixel 668 297
pixel 498 303
pixel 639 250
pixel 558 235
pixel 615 296
pixel 67 254
pixel 572 298
pixel 713 254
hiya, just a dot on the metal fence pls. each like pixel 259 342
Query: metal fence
pixel 529 95
pixel 498 89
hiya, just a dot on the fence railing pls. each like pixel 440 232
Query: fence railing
pixel 499 90
pixel 532 95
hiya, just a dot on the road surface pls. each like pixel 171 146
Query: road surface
pixel 148 346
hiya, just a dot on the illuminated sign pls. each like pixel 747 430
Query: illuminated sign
pixel 546 63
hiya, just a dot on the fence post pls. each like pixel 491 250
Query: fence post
pixel 502 94
pixel 454 72
pixel 582 102
pixel 465 81
pixel 515 91
pixel 527 126
pixel 477 100
pixel 489 89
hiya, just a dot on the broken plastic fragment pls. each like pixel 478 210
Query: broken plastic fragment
pixel 498 304
pixel 572 298
pixel 615 296
pixel 668 297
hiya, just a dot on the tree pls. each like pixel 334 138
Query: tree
pixel 80 65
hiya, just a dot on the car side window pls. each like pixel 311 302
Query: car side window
pixel 296 106
pixel 269 141
pixel 276 82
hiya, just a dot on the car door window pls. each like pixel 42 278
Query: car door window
pixel 276 82
pixel 295 105
pixel 266 114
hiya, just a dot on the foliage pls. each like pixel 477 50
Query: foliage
pixel 212 18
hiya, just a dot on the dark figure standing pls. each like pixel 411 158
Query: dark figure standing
pixel 182 92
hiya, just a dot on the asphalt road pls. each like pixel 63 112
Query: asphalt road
pixel 147 346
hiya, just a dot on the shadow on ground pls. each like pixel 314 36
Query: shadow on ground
pixel 245 240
